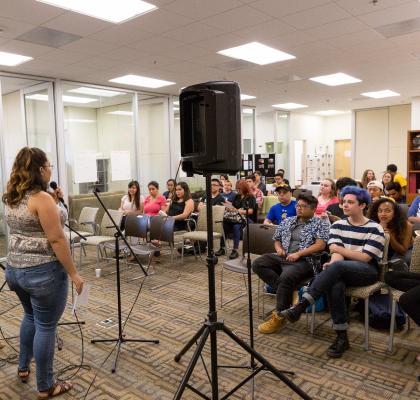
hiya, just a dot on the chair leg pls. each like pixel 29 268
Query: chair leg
pixel 221 288
pixel 313 318
pixel 392 325
pixel 366 345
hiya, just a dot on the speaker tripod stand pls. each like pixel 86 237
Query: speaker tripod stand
pixel 213 326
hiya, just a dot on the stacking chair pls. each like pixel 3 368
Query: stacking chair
pixel 106 234
pixel 364 292
pixel 200 232
pixel 396 294
pixel 261 242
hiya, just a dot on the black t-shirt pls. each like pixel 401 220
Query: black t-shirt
pixel 215 201
pixel 246 203
pixel 336 210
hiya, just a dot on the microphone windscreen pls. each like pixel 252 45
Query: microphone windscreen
pixel 53 185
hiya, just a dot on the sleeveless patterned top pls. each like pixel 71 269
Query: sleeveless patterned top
pixel 28 245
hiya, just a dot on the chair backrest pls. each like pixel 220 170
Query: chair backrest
pixel 107 228
pixel 87 219
pixel 415 256
pixel 137 226
pixel 162 229
pixel 260 239
pixel 298 192
pixel 218 212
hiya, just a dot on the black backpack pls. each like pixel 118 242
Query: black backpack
pixel 380 312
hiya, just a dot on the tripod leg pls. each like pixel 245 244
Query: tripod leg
pixel 194 339
pixel 267 364
pixel 116 357
pixel 214 376
pixel 191 365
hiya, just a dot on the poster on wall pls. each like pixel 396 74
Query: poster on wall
pixel 266 164
pixel 85 168
pixel 247 165
pixel 120 166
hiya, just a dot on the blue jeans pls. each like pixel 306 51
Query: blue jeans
pixel 334 280
pixel 236 229
pixel 42 290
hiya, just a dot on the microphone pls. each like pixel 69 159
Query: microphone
pixel 53 185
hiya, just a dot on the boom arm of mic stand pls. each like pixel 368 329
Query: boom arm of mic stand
pixel 74 231
pixel 120 234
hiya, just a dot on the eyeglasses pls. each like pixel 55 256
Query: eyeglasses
pixel 302 206
pixel 49 165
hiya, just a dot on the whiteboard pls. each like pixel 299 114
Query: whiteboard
pixel 85 169
pixel 120 166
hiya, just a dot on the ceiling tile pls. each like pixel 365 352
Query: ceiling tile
pixel 392 14
pixel 266 30
pixel 352 39
pixel 124 54
pixel 89 46
pixel 358 7
pixel 220 42
pixel 289 41
pixel 97 63
pixel 12 28
pixel 193 32
pixel 187 52
pixel 123 34
pixel 157 44
pixel 336 28
pixel 317 16
pixel 198 9
pixel 77 24
pixel 24 48
pixel 29 11
pixel 280 8
pixel 161 20
pixel 62 57
pixel 238 18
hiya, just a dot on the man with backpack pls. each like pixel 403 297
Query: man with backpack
pixel 356 245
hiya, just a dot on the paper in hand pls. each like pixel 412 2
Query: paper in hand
pixel 82 298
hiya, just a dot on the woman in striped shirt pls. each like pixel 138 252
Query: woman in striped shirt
pixel 356 245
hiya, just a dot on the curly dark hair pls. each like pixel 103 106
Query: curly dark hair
pixel 398 223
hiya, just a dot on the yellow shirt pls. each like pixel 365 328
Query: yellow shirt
pixel 401 180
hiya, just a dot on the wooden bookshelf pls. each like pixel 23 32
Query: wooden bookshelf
pixel 413 167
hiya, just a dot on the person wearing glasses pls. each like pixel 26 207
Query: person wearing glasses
pixel 356 244
pixel 38 265
pixel 216 198
pixel 297 242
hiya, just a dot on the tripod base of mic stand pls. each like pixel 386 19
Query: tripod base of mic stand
pixel 121 341
pixel 210 329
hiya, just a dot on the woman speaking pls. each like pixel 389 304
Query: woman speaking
pixel 38 262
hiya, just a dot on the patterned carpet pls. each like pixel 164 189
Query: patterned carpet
pixel 173 313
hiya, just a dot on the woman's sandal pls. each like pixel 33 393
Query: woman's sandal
pixel 55 390
pixel 24 375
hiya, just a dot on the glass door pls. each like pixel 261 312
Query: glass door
pixel 40 120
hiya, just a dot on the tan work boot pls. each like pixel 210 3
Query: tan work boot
pixel 273 324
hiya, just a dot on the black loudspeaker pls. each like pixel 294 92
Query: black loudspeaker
pixel 211 127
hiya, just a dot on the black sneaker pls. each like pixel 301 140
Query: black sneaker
pixel 220 252
pixel 234 254
pixel 293 314
pixel 340 345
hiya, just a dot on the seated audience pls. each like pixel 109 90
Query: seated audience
pixel 335 211
pixel 259 197
pixel 393 220
pixel 356 245
pixel 368 176
pixel 259 184
pixel 387 178
pixel 181 207
pixel 222 179
pixel 393 169
pixel 155 202
pixel 216 198
pixel 296 241
pixel 285 208
pixel 243 204
pixel 393 190
pixel 408 282
pixel 414 211
pixel 170 185
pixel 228 193
pixel 327 196
pixel 132 203
pixel 278 180
pixel 282 171
pixel 375 189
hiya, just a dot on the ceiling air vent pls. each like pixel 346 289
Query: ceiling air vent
pixel 399 28
pixel 48 37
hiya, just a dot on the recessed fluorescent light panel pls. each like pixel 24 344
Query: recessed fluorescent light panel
pixel 328 113
pixel 126 113
pixel 256 53
pixel 290 106
pixel 142 81
pixel 95 92
pixel 247 97
pixel 335 79
pixel 380 94
pixel 11 60
pixel 108 10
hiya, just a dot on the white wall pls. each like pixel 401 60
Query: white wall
pixel 265 131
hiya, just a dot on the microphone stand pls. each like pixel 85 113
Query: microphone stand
pixel 121 339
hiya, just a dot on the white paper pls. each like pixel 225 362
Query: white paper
pixel 120 166
pixel 85 169
pixel 82 298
